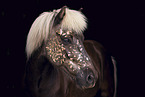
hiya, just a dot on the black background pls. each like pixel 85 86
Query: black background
pixel 118 25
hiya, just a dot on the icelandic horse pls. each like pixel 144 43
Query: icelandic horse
pixel 60 63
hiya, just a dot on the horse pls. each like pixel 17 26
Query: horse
pixel 60 63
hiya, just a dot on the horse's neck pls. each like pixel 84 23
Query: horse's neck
pixel 41 75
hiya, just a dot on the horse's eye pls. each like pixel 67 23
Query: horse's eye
pixel 66 40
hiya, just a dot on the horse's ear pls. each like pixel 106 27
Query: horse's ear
pixel 59 17
pixel 81 9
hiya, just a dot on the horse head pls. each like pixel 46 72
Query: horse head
pixel 65 47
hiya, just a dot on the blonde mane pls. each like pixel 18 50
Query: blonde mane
pixel 40 29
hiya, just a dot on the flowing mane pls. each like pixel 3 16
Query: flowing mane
pixel 40 29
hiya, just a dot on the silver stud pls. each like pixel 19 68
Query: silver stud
pixel 81 49
pixel 79 67
pixel 70 66
pixel 69 55
pixel 71 58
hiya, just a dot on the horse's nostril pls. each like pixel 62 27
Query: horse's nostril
pixel 85 78
pixel 90 78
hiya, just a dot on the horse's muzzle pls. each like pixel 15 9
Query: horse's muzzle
pixel 85 78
